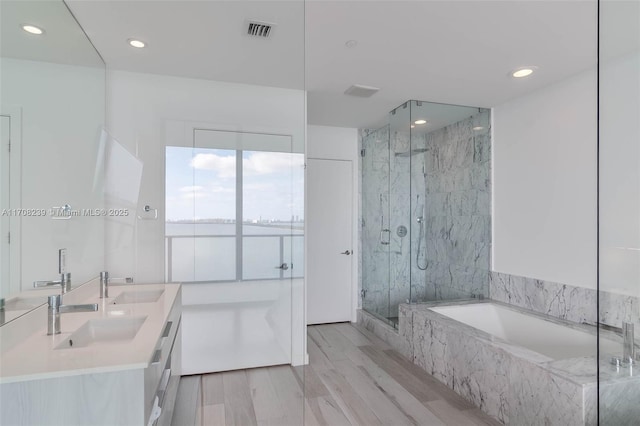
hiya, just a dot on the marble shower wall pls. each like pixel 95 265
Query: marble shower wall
pixel 446 181
pixel 563 301
pixel 458 210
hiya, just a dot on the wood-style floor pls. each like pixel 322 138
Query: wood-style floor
pixel 353 378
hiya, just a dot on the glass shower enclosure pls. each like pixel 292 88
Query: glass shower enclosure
pixel 426 207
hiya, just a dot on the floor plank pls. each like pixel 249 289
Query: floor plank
pixel 354 335
pixel 266 403
pixel 377 401
pixel 440 388
pixel 449 414
pixel 289 392
pixel 407 380
pixel 398 395
pixel 326 411
pixel 351 403
pixel 377 342
pixel 213 415
pixel 353 378
pixel 212 389
pixel 188 403
pixel 309 379
pixel 237 399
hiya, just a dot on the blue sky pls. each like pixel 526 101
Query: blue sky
pixel 201 183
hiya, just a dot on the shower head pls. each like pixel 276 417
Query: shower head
pixel 411 153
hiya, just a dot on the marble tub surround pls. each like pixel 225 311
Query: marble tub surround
pixel 509 382
pixel 34 356
pixel 563 301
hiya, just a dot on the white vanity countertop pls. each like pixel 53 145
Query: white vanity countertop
pixel 36 357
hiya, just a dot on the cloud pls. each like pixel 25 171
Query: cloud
pixel 257 164
pixel 263 163
pixel 225 166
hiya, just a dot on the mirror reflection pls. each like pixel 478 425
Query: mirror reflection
pixel 52 108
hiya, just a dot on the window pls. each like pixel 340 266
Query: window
pixel 233 215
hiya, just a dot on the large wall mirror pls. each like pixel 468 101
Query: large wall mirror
pixel 52 108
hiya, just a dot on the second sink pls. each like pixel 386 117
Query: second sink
pixel 103 331
pixel 143 296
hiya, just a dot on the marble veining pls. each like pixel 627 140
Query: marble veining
pixel 511 383
pixel 563 301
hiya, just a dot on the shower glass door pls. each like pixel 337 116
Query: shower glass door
pixel 618 393
pixel 375 230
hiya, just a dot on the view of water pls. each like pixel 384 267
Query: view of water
pixel 211 255
pixel 172 228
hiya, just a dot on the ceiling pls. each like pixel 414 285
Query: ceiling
pixel 457 52
pixel 63 42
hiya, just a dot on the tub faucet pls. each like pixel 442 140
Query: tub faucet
pixel 64 282
pixel 628 348
pixel 105 281
pixel 56 308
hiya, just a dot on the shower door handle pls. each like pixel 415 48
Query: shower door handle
pixel 382 240
pixel 347 252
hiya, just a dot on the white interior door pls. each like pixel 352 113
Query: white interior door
pixel 330 241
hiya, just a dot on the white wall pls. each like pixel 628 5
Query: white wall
pixel 340 143
pixel 61 113
pixel 620 174
pixel 147 112
pixel 544 183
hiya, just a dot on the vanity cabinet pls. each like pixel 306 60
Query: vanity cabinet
pixel 127 384
pixel 162 375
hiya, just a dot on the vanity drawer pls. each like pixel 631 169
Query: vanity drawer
pixel 167 395
pixel 160 361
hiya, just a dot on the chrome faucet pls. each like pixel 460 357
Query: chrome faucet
pixel 64 282
pixel 105 281
pixel 104 285
pixel 56 308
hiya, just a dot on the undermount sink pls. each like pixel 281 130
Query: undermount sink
pixel 142 296
pixel 103 331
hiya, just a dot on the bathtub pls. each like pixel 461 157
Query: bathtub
pixel 533 332
pixel 518 366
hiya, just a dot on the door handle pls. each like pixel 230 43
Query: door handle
pixel 347 252
pixel 284 267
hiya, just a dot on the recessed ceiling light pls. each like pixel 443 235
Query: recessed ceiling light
pixel 32 29
pixel 136 43
pixel 351 43
pixel 523 72
pixel 420 121
pixel 478 128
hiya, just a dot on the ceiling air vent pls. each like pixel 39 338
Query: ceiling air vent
pixel 259 29
pixel 361 91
